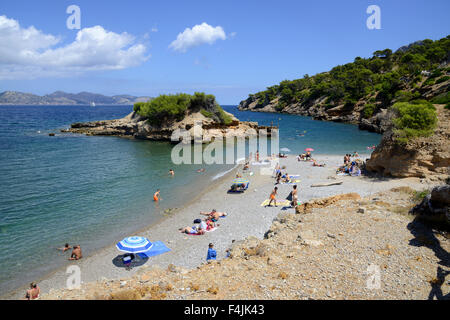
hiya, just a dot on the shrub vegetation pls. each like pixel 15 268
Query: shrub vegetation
pixel 174 107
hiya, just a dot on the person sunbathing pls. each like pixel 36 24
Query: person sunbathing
pixel 214 215
pixel 191 230
pixel 286 178
pixel 315 164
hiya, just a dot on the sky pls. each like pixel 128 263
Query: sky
pixel 226 48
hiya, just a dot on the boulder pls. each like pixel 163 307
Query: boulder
pixel 435 207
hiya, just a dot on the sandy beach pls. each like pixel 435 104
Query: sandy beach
pixel 246 217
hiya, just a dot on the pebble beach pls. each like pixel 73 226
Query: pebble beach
pixel 246 217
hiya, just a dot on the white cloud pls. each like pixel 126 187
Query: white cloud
pixel 199 34
pixel 29 53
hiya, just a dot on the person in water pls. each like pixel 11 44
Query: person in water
pixel 273 197
pixel 156 195
pixel 171 172
pixel 66 248
pixel 76 253
pixel 33 292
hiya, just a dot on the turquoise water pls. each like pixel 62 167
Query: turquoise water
pixel 95 190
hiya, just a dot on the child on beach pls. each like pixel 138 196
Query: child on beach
pixel 272 197
pixel 212 254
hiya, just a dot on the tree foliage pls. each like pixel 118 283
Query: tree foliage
pixel 166 108
pixel 382 76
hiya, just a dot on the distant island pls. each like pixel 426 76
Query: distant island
pixel 64 98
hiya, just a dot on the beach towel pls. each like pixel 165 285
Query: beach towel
pixel 284 203
pixel 294 181
pixel 157 248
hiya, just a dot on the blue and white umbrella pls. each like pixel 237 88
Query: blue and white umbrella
pixel 134 245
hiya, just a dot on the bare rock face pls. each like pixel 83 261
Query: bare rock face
pixel 425 157
pixel 136 126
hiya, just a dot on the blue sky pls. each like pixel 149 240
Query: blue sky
pixel 252 44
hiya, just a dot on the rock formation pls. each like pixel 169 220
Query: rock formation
pixel 435 207
pixel 424 157
pixel 136 126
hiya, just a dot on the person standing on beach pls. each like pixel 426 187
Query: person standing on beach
pixel 257 156
pixel 272 197
pixel 33 292
pixel 156 196
pixel 294 196
pixel 212 254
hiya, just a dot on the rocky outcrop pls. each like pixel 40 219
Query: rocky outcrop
pixel 136 126
pixel 318 108
pixel 424 157
pixel 435 207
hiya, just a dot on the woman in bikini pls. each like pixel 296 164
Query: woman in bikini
pixel 33 292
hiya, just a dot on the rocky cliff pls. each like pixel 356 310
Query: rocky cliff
pixel 379 122
pixel 425 157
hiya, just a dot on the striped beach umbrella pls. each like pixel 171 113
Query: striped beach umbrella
pixel 240 181
pixel 134 245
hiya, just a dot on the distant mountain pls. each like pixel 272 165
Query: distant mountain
pixel 64 98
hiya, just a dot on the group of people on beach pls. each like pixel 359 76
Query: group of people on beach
pixel 34 291
pixel 308 157
pixel 208 223
pixel 351 167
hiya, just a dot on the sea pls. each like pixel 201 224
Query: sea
pixel 96 190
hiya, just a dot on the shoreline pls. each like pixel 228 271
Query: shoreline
pixel 17 292
pixel 242 222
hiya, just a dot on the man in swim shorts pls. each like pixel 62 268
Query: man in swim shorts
pixel 272 197
pixel 76 253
